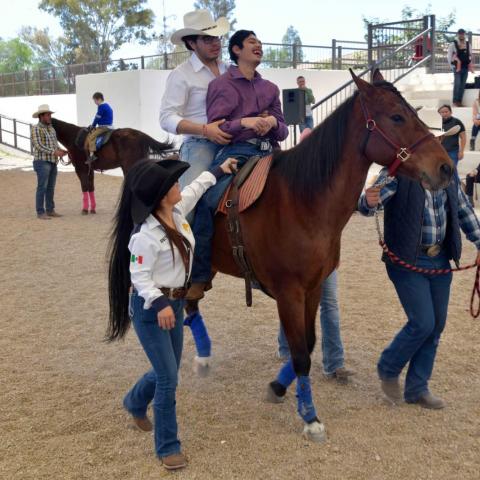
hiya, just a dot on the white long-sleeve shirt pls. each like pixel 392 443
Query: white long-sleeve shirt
pixel 151 262
pixel 186 93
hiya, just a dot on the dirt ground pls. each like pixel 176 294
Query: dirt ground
pixel 61 387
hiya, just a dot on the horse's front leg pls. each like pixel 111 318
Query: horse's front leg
pixel 203 344
pixel 292 310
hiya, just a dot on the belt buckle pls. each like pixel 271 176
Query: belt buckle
pixel 434 250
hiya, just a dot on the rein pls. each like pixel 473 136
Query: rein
pixel 474 311
pixel 67 162
pixel 402 154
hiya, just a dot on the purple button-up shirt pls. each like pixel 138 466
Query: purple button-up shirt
pixel 233 97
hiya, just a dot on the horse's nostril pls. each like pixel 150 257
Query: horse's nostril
pixel 446 169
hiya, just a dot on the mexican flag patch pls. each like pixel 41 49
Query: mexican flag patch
pixel 135 259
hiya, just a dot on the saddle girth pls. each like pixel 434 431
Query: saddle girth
pixel 236 240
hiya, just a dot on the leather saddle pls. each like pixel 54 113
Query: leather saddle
pixel 243 192
pixel 100 141
pixel 250 182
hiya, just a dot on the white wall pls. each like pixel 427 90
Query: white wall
pixel 135 96
pixel 22 108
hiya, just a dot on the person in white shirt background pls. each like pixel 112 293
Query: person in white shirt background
pixel 183 111
pixel 151 253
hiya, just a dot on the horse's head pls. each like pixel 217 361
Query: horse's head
pixel 397 138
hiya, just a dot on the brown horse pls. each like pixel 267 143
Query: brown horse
pixel 125 147
pixel 292 233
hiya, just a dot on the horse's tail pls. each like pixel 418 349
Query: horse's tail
pixel 119 267
pixel 156 146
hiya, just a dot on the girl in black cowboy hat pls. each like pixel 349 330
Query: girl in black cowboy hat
pixel 150 257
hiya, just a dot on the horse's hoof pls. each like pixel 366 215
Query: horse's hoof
pixel 315 432
pixel 272 397
pixel 93 212
pixel 84 212
pixel 201 366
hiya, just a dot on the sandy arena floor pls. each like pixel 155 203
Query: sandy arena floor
pixel 61 387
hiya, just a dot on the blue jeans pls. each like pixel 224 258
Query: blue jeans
pixel 454 156
pixel 332 348
pixel 459 81
pixel 164 350
pixel 203 226
pixel 199 153
pixel 425 301
pixel 308 123
pixel 46 179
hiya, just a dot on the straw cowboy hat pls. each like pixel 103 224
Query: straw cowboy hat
pixel 200 22
pixel 149 182
pixel 42 109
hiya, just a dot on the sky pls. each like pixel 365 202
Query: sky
pixel 317 21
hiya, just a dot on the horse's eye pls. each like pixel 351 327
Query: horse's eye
pixel 397 118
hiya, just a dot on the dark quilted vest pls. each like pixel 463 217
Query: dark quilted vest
pixel 404 218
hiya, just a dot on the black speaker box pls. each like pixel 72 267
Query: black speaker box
pixel 294 106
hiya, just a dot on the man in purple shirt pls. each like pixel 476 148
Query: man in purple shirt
pixel 253 116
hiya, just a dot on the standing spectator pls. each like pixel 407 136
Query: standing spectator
pixel 476 122
pixel 46 153
pixel 422 227
pixel 453 144
pixel 183 109
pixel 309 100
pixel 102 122
pixel 459 51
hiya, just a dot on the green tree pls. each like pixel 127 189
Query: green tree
pixel 94 29
pixel 48 51
pixel 15 55
pixel 289 54
pixel 219 8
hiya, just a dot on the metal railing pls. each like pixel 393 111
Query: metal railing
pixel 395 64
pixel 16 134
pixel 57 80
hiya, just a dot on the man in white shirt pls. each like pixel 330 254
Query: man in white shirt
pixel 183 109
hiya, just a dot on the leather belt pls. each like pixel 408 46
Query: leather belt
pixel 174 293
pixel 432 250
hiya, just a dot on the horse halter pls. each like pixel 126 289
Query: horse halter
pixel 402 154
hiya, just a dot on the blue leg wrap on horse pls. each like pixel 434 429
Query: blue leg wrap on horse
pixel 200 334
pixel 306 408
pixel 286 375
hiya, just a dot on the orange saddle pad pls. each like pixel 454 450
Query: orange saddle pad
pixel 251 188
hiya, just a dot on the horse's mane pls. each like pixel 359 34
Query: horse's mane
pixel 309 166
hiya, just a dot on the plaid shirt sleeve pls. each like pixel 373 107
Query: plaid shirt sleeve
pixel 468 220
pixel 38 143
pixel 386 193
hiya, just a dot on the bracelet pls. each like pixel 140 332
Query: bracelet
pixel 204 130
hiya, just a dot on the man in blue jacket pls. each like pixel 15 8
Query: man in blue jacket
pixel 102 122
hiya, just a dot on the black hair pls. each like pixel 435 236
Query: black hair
pixel 119 267
pixel 98 96
pixel 237 40
pixel 445 106
pixel 189 38
pixel 300 76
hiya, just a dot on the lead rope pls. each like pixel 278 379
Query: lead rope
pixel 474 312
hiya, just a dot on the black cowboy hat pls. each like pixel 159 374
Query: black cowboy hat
pixel 149 182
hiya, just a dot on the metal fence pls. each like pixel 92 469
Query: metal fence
pixel 15 133
pixel 54 80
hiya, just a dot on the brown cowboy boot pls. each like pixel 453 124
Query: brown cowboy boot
pixel 341 375
pixel 174 461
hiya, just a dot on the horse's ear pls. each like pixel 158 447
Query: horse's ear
pixel 377 76
pixel 361 84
